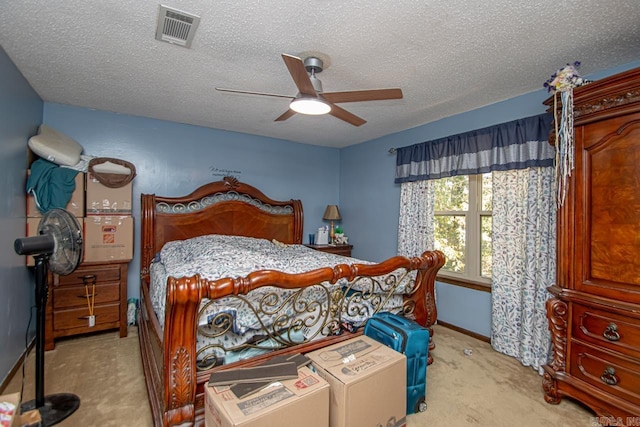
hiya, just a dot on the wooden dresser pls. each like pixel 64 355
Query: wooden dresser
pixel 67 311
pixel 344 250
pixel 594 316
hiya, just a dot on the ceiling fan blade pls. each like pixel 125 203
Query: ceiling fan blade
pixel 363 95
pixel 348 117
pixel 284 116
pixel 247 92
pixel 299 74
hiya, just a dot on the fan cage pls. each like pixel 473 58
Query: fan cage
pixel 67 234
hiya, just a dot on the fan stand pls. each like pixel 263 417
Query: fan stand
pixel 54 407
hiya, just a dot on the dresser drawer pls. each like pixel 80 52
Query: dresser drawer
pixel 102 273
pixel 75 296
pixel 340 251
pixel 68 307
pixel 344 250
pixel 611 331
pixel 78 317
pixel 611 373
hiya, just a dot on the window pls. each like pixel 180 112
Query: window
pixel 462 229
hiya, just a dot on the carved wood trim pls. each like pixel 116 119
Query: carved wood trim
pixel 611 101
pixel 180 379
pixel 550 387
pixel 148 207
pixel 557 314
pixel 427 315
pixel 231 182
pixel 181 405
pixel 183 299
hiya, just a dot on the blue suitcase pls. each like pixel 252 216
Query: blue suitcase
pixel 411 339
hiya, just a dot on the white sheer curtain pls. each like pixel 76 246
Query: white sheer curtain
pixel 524 262
pixel 415 225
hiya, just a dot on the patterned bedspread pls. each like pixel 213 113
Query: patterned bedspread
pixel 218 256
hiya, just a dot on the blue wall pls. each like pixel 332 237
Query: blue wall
pixel 172 159
pixel 20 115
pixel 369 199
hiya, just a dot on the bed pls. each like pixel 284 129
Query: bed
pixel 191 325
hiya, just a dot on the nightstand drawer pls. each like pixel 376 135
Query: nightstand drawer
pixel 78 317
pixel 344 250
pixel 609 330
pixel 102 273
pixel 75 296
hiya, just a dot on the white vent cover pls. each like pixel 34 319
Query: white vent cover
pixel 176 27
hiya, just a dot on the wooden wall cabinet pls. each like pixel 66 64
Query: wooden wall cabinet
pixel 594 316
pixel 67 307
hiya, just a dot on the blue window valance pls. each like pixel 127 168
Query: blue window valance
pixel 519 144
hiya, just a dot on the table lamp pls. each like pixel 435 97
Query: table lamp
pixel 332 214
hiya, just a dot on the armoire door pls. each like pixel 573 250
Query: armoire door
pixel 607 209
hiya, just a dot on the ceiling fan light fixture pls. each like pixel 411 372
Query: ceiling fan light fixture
pixel 309 105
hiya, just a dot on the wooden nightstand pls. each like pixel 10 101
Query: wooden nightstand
pixel 344 250
pixel 67 310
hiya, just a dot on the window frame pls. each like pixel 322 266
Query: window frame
pixel 471 277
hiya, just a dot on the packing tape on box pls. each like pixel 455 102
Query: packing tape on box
pixel 350 358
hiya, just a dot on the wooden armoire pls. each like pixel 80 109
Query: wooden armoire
pixel 594 315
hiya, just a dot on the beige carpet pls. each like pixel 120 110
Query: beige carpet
pixel 483 389
pixel 104 370
pixel 488 388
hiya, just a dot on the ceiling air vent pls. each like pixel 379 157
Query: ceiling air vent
pixel 176 27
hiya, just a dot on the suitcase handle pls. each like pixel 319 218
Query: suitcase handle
pixel 396 326
pixel 394 319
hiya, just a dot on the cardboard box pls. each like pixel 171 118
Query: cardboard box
pixel 75 206
pixel 102 200
pixel 10 410
pixel 108 238
pixel 368 383
pixel 301 401
pixel 31 418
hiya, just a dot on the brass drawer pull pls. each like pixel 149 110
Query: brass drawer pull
pixel 85 296
pixel 89 278
pixel 609 376
pixel 611 332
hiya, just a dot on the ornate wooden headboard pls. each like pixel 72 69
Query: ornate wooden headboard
pixel 222 207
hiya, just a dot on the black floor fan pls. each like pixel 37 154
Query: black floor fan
pixel 57 247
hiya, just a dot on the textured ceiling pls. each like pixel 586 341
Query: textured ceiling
pixel 447 57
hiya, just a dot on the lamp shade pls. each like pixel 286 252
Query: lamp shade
pixel 310 105
pixel 332 213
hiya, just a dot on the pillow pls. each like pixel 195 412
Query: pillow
pixel 55 147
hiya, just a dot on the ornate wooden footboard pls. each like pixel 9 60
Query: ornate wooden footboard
pixel 174 371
